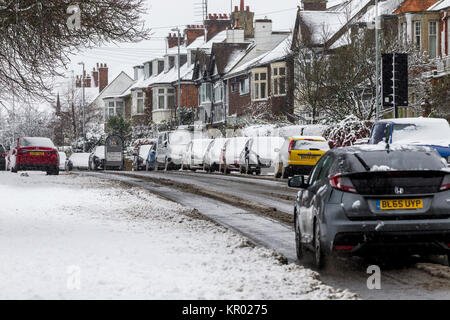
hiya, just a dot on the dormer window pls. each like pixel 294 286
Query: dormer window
pixel 171 62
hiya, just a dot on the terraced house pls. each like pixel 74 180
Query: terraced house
pixel 245 75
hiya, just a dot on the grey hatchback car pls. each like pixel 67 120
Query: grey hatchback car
pixel 374 200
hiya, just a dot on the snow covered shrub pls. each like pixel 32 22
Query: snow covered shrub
pixel 347 132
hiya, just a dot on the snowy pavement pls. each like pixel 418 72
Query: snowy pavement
pixel 72 237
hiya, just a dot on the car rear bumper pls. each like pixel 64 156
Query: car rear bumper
pixel 409 236
pixel 36 167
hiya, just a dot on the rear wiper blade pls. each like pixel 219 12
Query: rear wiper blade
pixel 364 164
pixel 314 149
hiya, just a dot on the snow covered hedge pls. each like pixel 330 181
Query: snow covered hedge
pixel 347 132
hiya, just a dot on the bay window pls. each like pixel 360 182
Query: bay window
pixel 279 79
pixel 259 84
pixel 163 98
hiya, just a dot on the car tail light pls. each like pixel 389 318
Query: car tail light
pixel 342 183
pixel 291 145
pixel 445 183
pixel 448 245
pixel 344 248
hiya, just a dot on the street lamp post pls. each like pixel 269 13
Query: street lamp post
pixel 179 72
pixel 83 107
pixel 377 49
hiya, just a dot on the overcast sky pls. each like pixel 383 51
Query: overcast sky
pixel 165 14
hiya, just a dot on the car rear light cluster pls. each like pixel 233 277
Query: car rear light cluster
pixel 446 183
pixel 344 248
pixel 291 145
pixel 342 183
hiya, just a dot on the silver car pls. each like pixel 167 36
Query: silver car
pixel 374 200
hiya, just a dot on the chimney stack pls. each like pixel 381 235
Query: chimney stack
pixel 314 5
pixel 172 40
pixel 216 24
pixel 95 76
pixel 243 18
pixel 103 77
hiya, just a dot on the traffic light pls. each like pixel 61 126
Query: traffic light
pixel 388 79
pixel 395 80
pixel 401 79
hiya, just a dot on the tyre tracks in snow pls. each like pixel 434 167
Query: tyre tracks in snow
pixel 244 210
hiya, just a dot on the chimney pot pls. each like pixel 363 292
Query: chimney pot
pixel 236 8
pixel 248 8
pixel 210 16
pixel 242 5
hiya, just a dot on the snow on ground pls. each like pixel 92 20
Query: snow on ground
pixel 71 237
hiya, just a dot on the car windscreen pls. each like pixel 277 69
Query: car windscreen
pixel 310 145
pixel 378 133
pixel 402 160
pixel 36 142
pixel 180 137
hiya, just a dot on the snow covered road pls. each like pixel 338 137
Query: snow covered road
pixel 73 237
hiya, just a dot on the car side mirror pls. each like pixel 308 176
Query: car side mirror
pixel 298 182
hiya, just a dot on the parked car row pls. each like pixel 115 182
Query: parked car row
pixel 247 155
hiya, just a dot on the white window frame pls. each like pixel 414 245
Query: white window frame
pixel 162 94
pixel 277 79
pixel 418 34
pixel 257 84
pixel 244 86
pixel 111 108
pixel 430 35
pixel 140 98
pixel 404 32
pixel 170 92
pixel 205 93
pixel 218 92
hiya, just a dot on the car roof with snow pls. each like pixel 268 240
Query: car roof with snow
pixel 308 138
pixel 413 120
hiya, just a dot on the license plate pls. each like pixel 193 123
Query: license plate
pixel 308 157
pixel 403 204
pixel 37 153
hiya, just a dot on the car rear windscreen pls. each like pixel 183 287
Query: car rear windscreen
pixel 310 145
pixel 395 161
pixel 36 142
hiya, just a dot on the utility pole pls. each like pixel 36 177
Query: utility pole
pixel 83 107
pixel 377 49
pixel 179 72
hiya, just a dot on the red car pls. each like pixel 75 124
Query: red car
pixel 34 154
